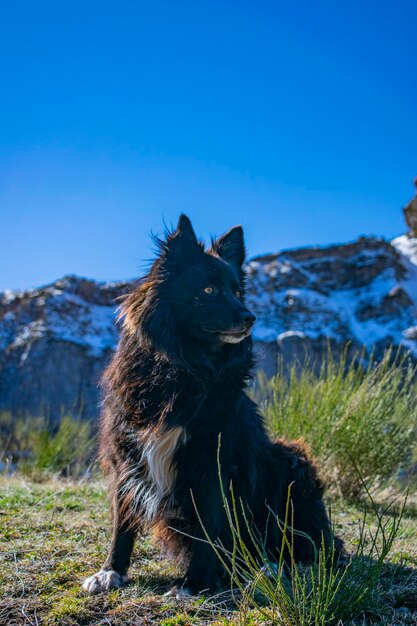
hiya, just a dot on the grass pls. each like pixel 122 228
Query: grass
pixel 38 447
pixel 53 534
pixel 321 593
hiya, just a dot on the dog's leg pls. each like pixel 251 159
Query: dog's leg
pixel 318 528
pixel 113 574
pixel 310 516
pixel 307 512
pixel 204 572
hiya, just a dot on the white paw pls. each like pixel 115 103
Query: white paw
pixel 103 581
pixel 176 593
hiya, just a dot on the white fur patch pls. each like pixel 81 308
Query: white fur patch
pixel 103 581
pixel 233 338
pixel 152 478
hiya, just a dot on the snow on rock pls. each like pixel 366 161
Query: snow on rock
pixel 55 340
pixel 73 309
pixel 364 292
pixel 54 343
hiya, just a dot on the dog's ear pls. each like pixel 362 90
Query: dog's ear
pixel 182 244
pixel 231 247
pixel 185 229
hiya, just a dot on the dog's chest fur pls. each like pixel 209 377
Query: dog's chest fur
pixel 149 480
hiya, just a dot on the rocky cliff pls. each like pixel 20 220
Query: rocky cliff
pixel 56 340
pixel 54 344
pixel 308 299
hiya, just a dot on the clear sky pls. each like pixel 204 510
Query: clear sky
pixel 296 118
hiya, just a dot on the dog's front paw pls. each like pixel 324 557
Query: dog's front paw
pixel 103 581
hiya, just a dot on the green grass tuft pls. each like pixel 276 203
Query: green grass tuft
pixel 347 412
pixel 321 594
pixel 39 448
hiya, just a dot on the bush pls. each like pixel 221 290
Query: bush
pixel 348 415
pixel 35 446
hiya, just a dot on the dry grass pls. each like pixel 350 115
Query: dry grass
pixel 55 533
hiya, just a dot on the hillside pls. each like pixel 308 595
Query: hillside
pixel 56 340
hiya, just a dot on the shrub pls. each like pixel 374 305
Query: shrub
pixel 345 413
pixel 35 445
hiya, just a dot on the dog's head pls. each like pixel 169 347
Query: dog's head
pixel 206 288
pixel 193 292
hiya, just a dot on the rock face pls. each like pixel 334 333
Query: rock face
pixel 54 344
pixel 308 299
pixel 56 340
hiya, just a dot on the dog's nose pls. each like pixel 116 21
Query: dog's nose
pixel 247 317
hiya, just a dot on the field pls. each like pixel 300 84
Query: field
pixel 54 515
pixel 55 533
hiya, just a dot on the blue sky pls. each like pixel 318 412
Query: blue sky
pixel 297 119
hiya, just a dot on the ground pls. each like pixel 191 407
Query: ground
pixel 53 534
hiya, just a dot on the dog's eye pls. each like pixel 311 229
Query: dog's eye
pixel 208 290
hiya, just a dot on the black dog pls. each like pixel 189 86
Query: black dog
pixel 177 381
